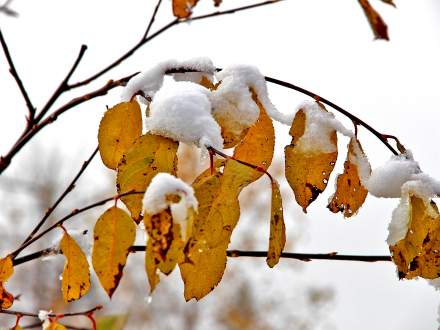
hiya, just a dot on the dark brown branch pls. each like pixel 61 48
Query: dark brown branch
pixel 152 19
pixel 69 188
pixel 63 87
pixel 55 315
pixel 14 73
pixel 72 214
pixel 35 255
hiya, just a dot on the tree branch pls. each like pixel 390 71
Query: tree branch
pixel 55 315
pixel 152 19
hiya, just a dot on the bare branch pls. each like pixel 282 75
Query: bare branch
pixel 152 19
pixel 8 11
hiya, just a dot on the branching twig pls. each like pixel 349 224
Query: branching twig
pixel 8 11
pixel 152 19
pixel 55 315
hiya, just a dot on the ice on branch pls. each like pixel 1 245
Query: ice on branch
pixel 320 124
pixel 150 81
pixel 182 111
pixel 232 102
pixel 158 195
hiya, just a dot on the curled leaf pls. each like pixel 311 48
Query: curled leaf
pixel 308 169
pixel 377 24
pixel 277 238
pixel 114 234
pixel 350 192
pixel 149 155
pixel 6 271
pixel 76 275
pixel 119 128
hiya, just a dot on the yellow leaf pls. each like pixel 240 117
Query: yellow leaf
pixel 55 326
pixel 17 327
pixel 377 24
pixel 6 271
pixel 119 128
pixel 307 172
pixel 219 210
pixel 418 254
pixel 183 8
pixel 76 275
pixel 164 246
pixel 111 322
pixel 277 238
pixel 114 234
pixel 350 193
pixel 149 155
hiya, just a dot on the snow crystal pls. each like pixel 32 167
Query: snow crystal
pixel 43 315
pixel 387 180
pixel 150 81
pixel 155 198
pixel 232 101
pixel 319 126
pixel 359 159
pixel 182 111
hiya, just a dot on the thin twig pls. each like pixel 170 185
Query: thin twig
pixel 69 188
pixel 72 214
pixel 152 19
pixel 39 324
pixel 8 11
pixel 55 315
pixel 14 73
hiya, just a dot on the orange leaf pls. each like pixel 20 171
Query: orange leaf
pixel 6 271
pixel 277 238
pixel 377 24
pixel 183 8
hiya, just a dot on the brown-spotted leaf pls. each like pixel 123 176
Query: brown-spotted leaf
pixel 114 234
pixel 55 326
pixel 277 238
pixel 183 8
pixel 76 274
pixel 164 246
pixel 219 210
pixel 149 155
pixel 6 271
pixel 350 193
pixel 307 170
pixel 119 128
pixel 418 253
pixel 377 24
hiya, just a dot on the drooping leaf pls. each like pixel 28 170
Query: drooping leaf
pixel 76 274
pixel 307 171
pixel 183 8
pixel 111 322
pixel 277 238
pixel 119 128
pixel 149 155
pixel 55 326
pixel 418 253
pixel 350 193
pixel 390 2
pixel 377 24
pixel 217 2
pixel 219 210
pixel 114 234
pixel 6 271
pixel 164 246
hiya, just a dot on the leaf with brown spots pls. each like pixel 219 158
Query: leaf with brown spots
pixel 149 155
pixel 418 253
pixel 377 24
pixel 114 234
pixel 55 326
pixel 308 170
pixel 119 128
pixel 76 274
pixel 350 193
pixel 277 238
pixel 183 8
pixel 164 246
pixel 6 271
pixel 219 210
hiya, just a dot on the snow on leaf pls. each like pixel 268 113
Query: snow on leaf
pixel 219 210
pixel 119 128
pixel 55 326
pixel 149 155
pixel 277 238
pixel 377 24
pixel 114 234
pixel 309 162
pixel 183 8
pixel 76 274
pixel 418 253
pixel 350 192
pixel 6 271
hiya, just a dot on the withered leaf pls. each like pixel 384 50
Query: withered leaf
pixel 119 128
pixel 307 172
pixel 149 155
pixel 350 193
pixel 377 24
pixel 6 271
pixel 76 275
pixel 183 8
pixel 277 238
pixel 418 254
pixel 114 234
